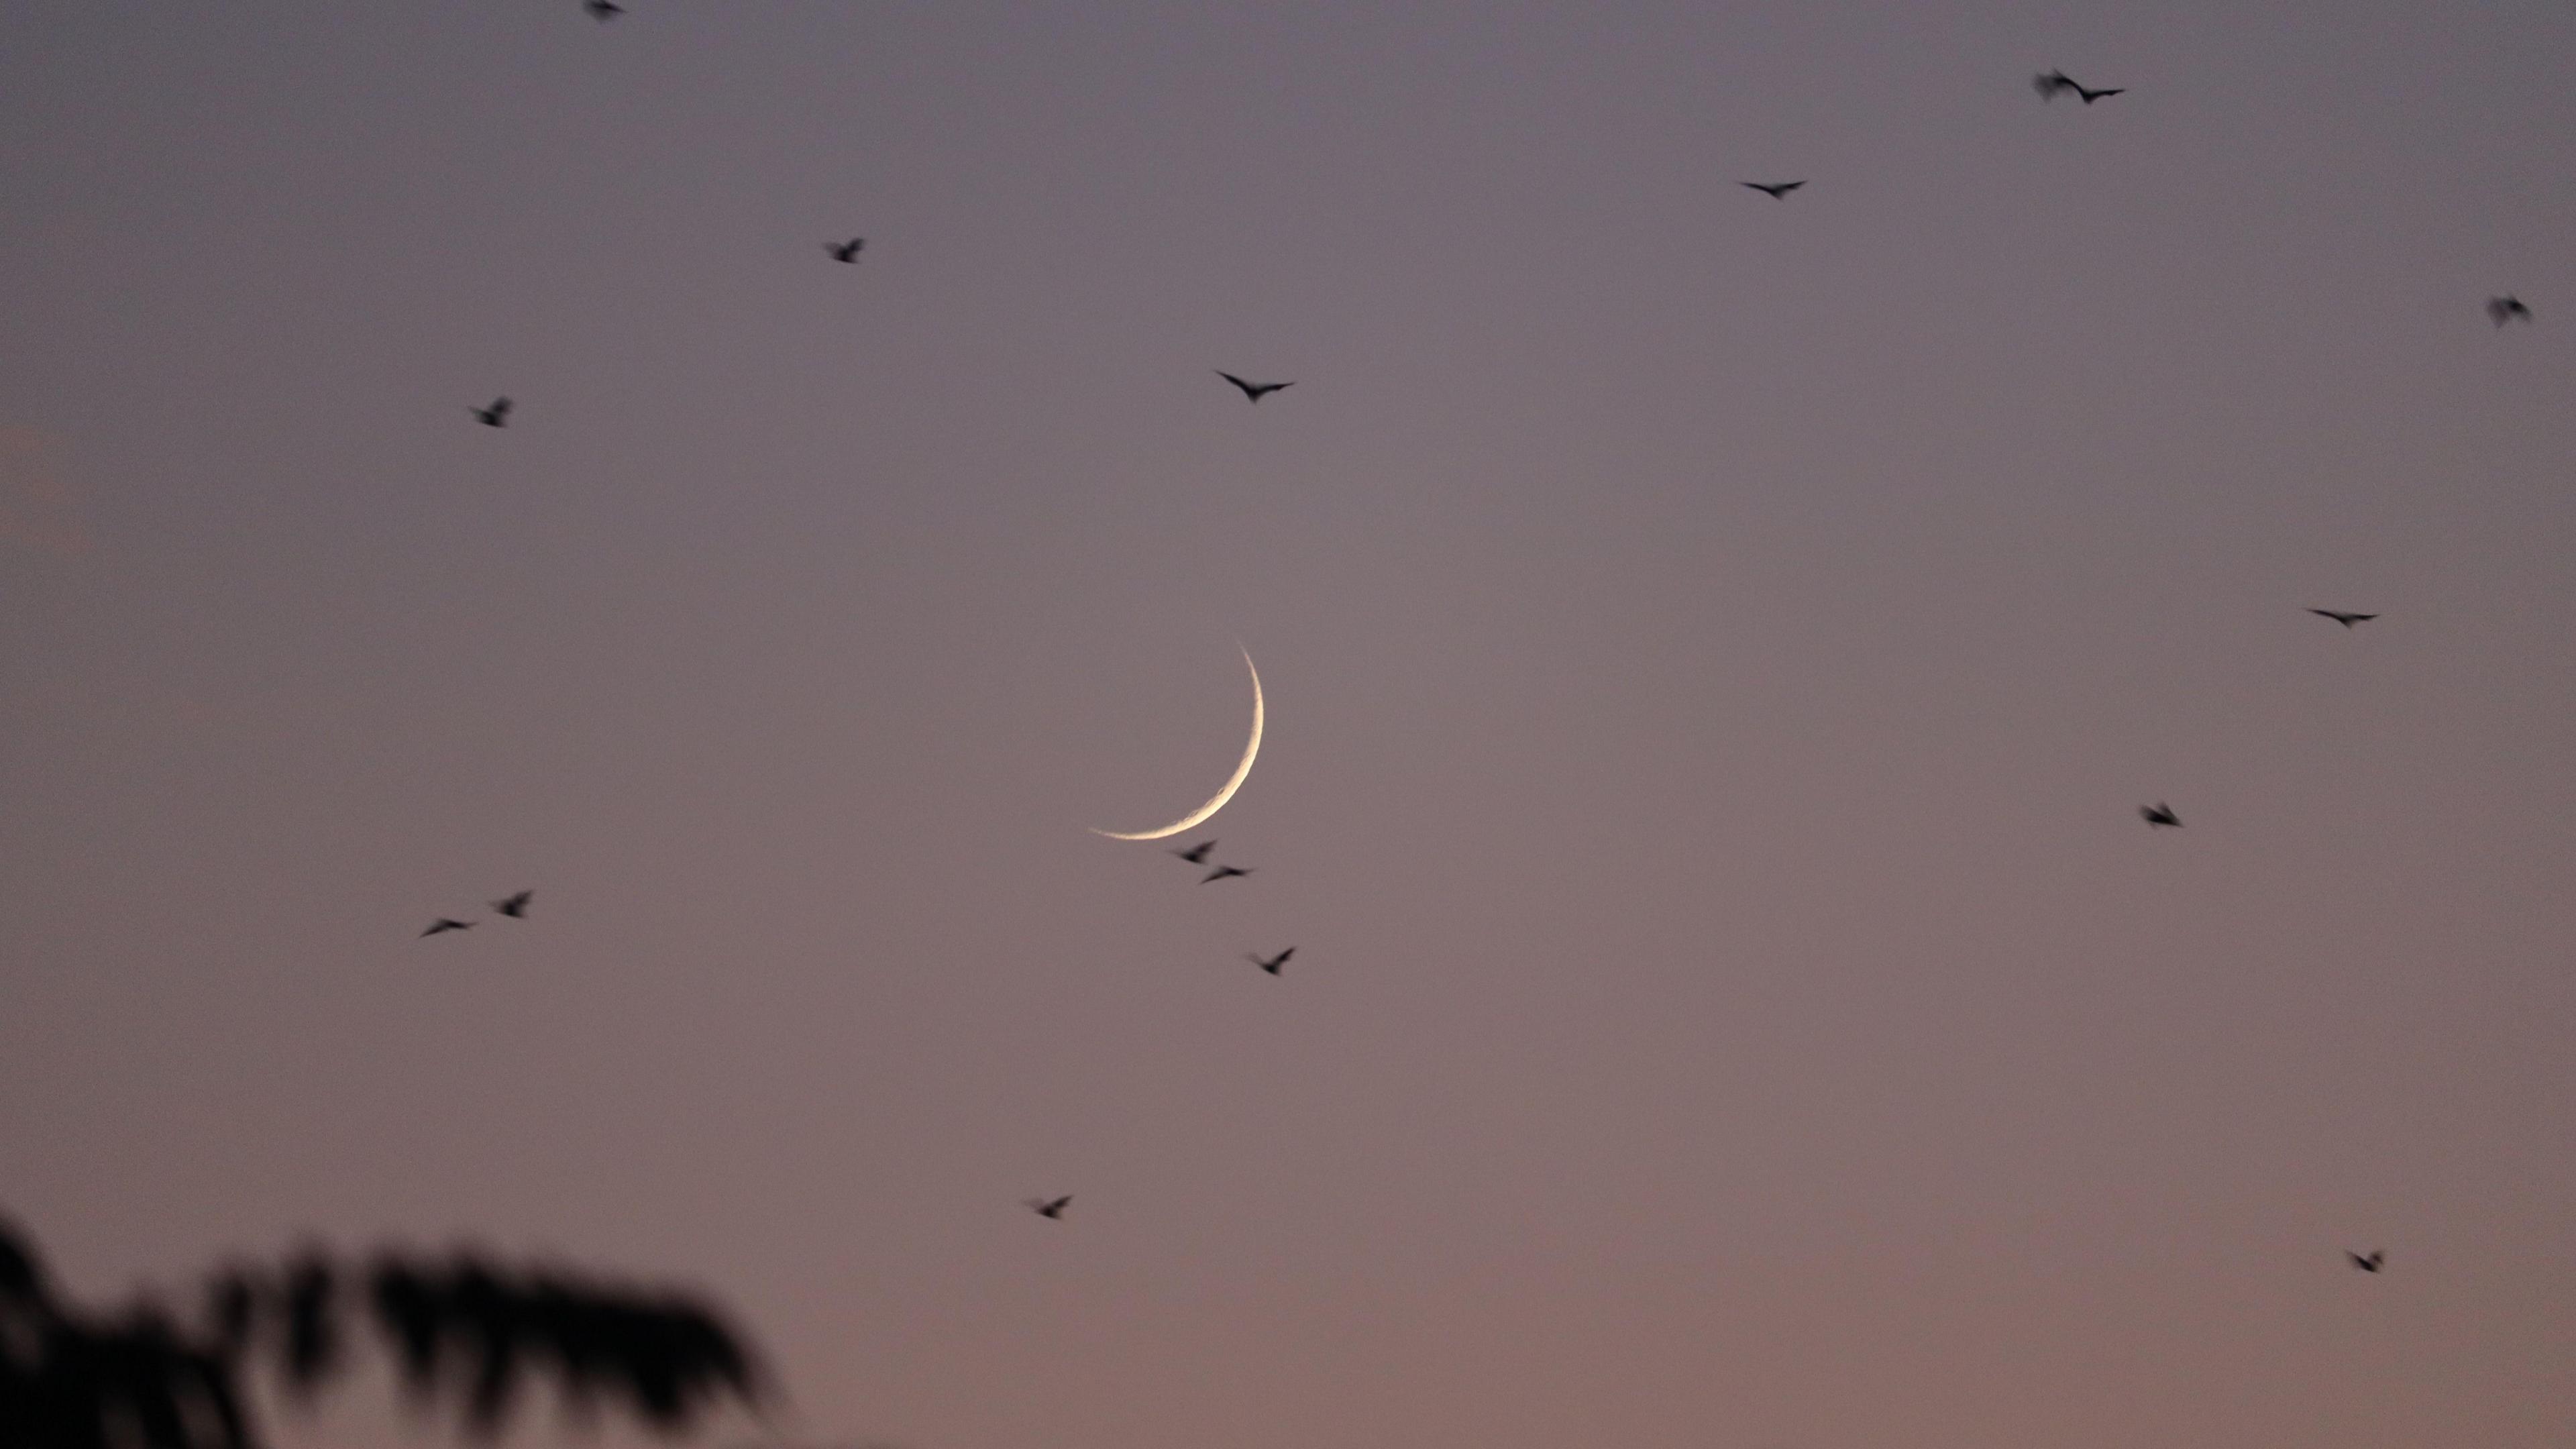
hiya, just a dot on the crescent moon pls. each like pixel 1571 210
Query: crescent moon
pixel 1225 792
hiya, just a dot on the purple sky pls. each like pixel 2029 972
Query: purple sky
pixel 1715 648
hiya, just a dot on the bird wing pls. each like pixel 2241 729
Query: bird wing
pixel 1284 955
pixel 1248 389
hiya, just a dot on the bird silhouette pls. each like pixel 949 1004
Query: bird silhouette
pixel 515 906
pixel 603 9
pixel 2346 620
pixel 2501 310
pixel 1253 391
pixel 847 251
pixel 1775 191
pixel 1050 1207
pixel 495 416
pixel 1274 963
pixel 2160 813
pixel 2057 81
pixel 1222 871
pixel 447 923
pixel 1197 854
pixel 2369 1262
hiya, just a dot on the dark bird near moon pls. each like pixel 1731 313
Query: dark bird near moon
pixel 1197 854
pixel 447 923
pixel 2501 310
pixel 1775 190
pixel 2057 81
pixel 1274 963
pixel 1050 1207
pixel 847 251
pixel 515 906
pixel 1253 391
pixel 1222 871
pixel 2346 620
pixel 2369 1262
pixel 2159 814
pixel 495 416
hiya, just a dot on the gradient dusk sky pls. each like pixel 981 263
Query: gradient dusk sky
pixel 1716 651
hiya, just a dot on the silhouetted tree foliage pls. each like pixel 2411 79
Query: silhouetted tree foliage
pixel 462 1331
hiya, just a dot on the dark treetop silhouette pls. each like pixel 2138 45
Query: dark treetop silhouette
pixel 144 1378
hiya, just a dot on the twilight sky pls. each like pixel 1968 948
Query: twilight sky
pixel 1716 649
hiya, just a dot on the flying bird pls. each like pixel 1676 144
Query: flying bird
pixel 1775 192
pixel 2052 84
pixel 2346 620
pixel 603 9
pixel 2160 813
pixel 1222 871
pixel 847 251
pixel 2501 310
pixel 495 416
pixel 1253 391
pixel 1274 963
pixel 1197 854
pixel 447 923
pixel 1050 1207
pixel 2369 1262
pixel 515 906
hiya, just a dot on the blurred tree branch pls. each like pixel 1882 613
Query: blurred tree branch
pixel 463 1332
